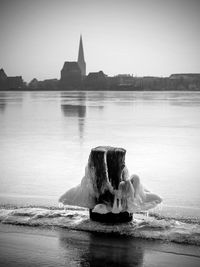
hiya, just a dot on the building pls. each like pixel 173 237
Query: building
pixel 3 75
pixel 185 81
pixel 15 82
pixel 3 80
pixel 124 79
pixel 81 60
pixel 6 82
pixel 71 78
pixel 73 73
pixel 49 84
pixel 34 84
pixel 96 81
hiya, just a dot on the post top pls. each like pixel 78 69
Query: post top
pixel 108 148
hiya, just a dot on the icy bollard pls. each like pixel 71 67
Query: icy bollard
pixel 109 169
pixel 107 190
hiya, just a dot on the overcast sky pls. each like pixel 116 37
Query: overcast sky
pixel 143 37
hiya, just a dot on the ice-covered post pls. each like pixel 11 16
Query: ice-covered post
pixel 107 190
pixel 108 164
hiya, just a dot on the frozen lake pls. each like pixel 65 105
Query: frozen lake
pixel 46 138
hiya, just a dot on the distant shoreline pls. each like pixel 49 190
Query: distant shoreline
pixel 86 90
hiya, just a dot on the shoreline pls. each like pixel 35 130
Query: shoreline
pixel 181 213
pixel 87 90
pixel 29 246
pixel 72 218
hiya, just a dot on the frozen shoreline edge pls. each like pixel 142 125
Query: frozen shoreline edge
pixel 151 228
pixel 157 213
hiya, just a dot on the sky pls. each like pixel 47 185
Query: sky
pixel 143 38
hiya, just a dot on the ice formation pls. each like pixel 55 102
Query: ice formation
pixel 102 196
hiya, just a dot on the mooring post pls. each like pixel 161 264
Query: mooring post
pixel 108 164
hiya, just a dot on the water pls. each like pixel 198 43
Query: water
pixel 19 246
pixel 46 138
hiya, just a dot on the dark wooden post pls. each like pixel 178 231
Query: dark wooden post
pixel 108 163
pixel 115 165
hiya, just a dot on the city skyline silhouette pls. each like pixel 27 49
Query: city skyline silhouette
pixel 146 38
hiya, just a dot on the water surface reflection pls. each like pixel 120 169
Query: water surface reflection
pixel 102 250
pixel 2 102
pixel 77 110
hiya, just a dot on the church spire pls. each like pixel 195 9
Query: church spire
pixel 81 60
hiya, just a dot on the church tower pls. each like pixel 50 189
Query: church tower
pixel 81 60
